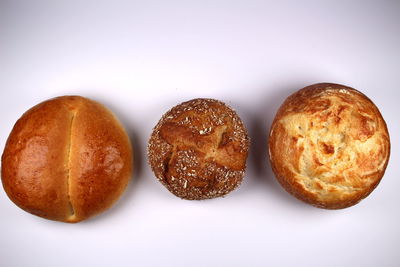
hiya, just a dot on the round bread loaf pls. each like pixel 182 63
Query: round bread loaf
pixel 198 149
pixel 329 145
pixel 66 159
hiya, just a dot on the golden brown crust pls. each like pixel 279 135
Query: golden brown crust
pixel 101 162
pixel 33 161
pixel 198 149
pixel 66 159
pixel 329 145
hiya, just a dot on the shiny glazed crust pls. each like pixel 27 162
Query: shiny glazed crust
pixel 66 159
pixel 329 145
pixel 198 149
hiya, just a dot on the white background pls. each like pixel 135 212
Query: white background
pixel 140 58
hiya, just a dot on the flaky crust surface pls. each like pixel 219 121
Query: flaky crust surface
pixel 329 145
pixel 66 159
pixel 198 149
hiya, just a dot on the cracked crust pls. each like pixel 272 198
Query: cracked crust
pixel 329 145
pixel 198 149
pixel 66 159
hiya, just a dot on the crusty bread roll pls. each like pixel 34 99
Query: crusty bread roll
pixel 329 145
pixel 66 159
pixel 198 149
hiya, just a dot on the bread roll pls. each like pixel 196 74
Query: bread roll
pixel 329 145
pixel 66 159
pixel 198 149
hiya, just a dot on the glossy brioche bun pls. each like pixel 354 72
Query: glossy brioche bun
pixel 329 145
pixel 198 149
pixel 66 159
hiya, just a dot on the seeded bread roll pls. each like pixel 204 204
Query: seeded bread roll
pixel 329 145
pixel 198 149
pixel 66 159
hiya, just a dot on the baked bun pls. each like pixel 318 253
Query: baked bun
pixel 329 145
pixel 198 149
pixel 66 159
